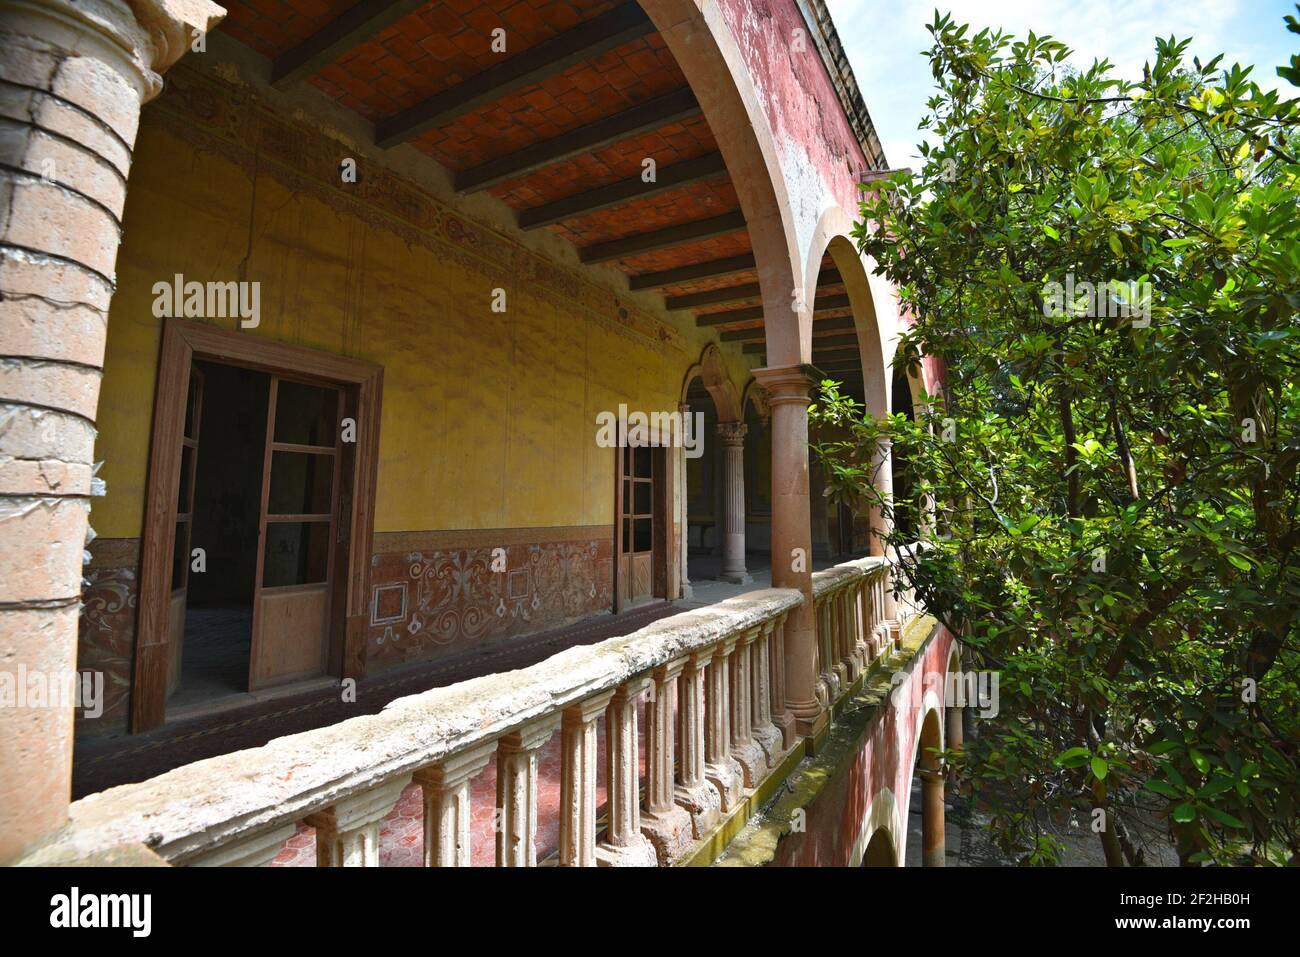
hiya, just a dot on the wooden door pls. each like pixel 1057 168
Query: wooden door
pixel 298 528
pixel 637 525
pixel 183 540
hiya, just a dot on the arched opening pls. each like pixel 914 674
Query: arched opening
pixel 926 843
pixel 713 520
pixel 880 850
pixel 846 348
pixel 906 504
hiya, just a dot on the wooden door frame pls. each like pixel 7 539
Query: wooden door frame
pixel 662 534
pixel 183 341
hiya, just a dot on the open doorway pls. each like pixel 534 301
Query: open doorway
pixel 225 436
pixel 259 521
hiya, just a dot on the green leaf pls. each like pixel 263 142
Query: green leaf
pixel 1100 768
pixel 1184 813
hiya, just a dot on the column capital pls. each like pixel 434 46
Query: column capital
pixel 787 384
pixel 452 772
pixel 732 433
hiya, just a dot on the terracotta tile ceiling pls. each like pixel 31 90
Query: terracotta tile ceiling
pixel 557 126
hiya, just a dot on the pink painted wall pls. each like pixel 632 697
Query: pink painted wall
pixel 797 94
pixel 884 760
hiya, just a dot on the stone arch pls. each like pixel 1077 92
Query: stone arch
pixel 712 371
pixel 878 832
pixel 707 53
pixel 875 315
pixel 755 395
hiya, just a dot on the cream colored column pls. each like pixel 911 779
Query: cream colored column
pixel 731 435
pixel 744 749
pixel 792 539
pixel 782 717
pixel 347 833
pixel 624 844
pixel 694 792
pixel 765 732
pixel 664 823
pixel 516 810
pixel 578 774
pixel 73 77
pixel 447 805
pixel 721 769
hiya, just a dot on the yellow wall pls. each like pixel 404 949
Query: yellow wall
pixel 488 419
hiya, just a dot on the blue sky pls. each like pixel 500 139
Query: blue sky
pixel 884 40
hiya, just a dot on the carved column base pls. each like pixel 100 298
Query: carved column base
pixel 737 578
pixel 634 854
pixel 729 778
pixel 671 832
pixel 752 760
pixel 703 804
pixel 772 742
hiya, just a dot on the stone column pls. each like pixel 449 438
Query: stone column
pixel 932 839
pixel 792 539
pixel 765 732
pixel 446 806
pixel 516 810
pixel 782 717
pixel 744 749
pixel 731 435
pixel 721 769
pixel 667 825
pixel 347 833
pixel 578 781
pixel 624 844
pixel 73 77
pixel 688 426
pixel 694 792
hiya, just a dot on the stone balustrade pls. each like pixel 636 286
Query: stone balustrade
pixel 717 728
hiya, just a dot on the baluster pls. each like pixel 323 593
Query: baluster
pixel 840 633
pixel 744 749
pixel 694 792
pixel 624 844
pixel 446 805
pixel 760 697
pixel 719 766
pixel 516 809
pixel 826 651
pixel 663 822
pixel 347 832
pixel 578 774
pixel 782 716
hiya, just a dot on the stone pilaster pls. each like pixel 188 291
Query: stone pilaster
pixel 446 806
pixel 624 844
pixel 694 792
pixel 664 822
pixel 578 781
pixel 721 769
pixel 347 833
pixel 516 809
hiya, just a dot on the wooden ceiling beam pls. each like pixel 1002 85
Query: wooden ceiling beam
pixel 676 235
pixel 587 40
pixel 701 169
pixel 348 30
pixel 642 118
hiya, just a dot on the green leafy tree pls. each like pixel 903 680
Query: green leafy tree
pixel 1109 273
